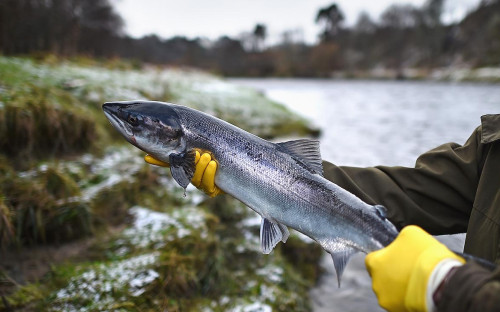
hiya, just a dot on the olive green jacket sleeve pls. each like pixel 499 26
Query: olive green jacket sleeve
pixel 452 189
pixel 437 194
pixel 471 288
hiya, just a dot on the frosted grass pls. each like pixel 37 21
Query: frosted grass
pixel 116 166
pixel 100 283
pixel 252 307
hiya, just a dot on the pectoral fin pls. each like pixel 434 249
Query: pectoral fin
pixel 182 167
pixel 271 233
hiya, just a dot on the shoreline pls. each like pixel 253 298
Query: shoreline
pixel 449 74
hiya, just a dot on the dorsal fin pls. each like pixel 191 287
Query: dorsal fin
pixel 306 151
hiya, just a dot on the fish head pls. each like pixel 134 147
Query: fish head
pixel 153 127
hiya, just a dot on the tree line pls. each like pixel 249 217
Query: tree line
pixel 405 36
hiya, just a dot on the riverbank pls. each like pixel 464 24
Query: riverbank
pixel 86 225
pixel 453 74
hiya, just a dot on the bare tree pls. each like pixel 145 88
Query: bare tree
pixel 432 10
pixel 58 26
pixel 396 34
pixel 365 24
pixel 399 16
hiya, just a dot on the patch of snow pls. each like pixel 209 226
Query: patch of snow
pixel 302 237
pixel 141 280
pixel 267 293
pixel 461 74
pixel 252 221
pixel 272 273
pixel 224 300
pixel 98 284
pixel 251 284
pixel 488 73
pixel 110 181
pixel 251 242
pixel 253 307
pixel 150 226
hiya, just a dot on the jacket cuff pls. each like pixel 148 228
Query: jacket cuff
pixel 437 279
pixel 460 291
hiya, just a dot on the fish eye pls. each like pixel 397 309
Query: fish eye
pixel 133 120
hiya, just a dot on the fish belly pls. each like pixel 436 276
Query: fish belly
pixel 297 204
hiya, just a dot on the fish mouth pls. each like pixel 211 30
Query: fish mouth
pixel 111 112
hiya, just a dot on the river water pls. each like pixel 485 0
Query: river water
pixel 367 123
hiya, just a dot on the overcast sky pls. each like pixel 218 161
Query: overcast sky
pixel 213 18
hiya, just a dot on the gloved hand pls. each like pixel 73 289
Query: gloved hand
pixel 204 174
pixel 406 273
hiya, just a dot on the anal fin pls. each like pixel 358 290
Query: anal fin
pixel 284 232
pixel 271 233
pixel 340 259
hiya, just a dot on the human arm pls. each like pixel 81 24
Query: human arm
pixel 437 194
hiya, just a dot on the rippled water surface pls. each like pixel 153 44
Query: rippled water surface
pixel 366 123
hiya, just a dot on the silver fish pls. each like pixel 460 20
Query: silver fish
pixel 282 182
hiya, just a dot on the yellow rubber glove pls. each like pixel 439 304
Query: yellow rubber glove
pixel 400 272
pixel 204 174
